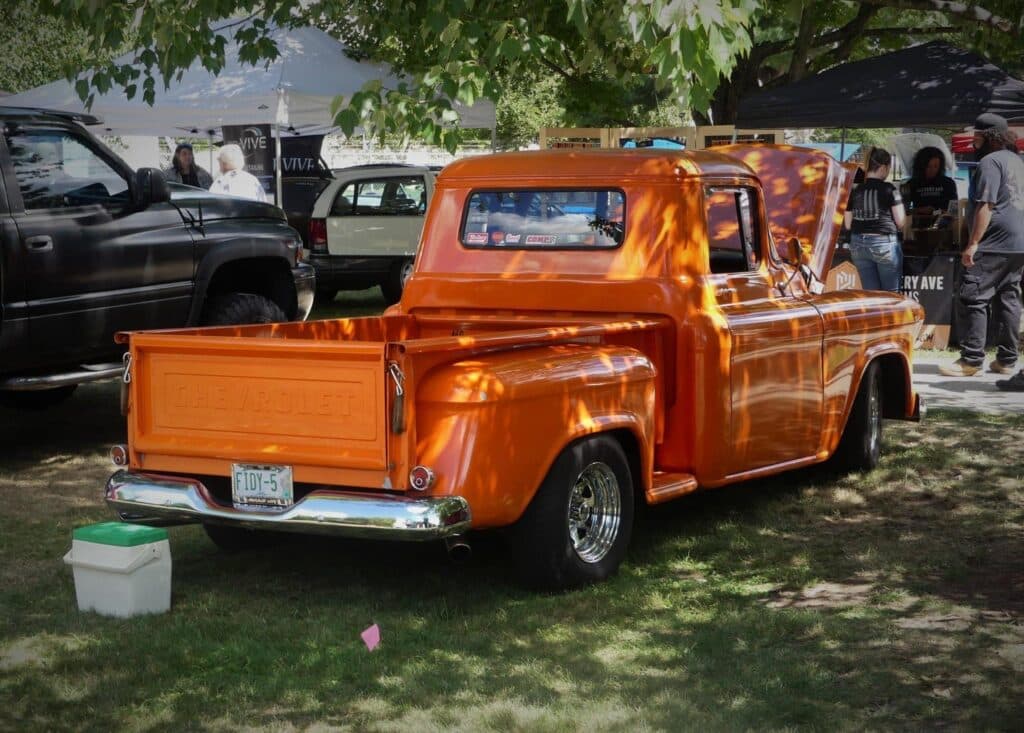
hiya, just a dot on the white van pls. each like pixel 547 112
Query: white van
pixel 366 227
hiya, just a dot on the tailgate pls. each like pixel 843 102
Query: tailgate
pixel 216 400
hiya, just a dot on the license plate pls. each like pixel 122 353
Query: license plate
pixel 265 486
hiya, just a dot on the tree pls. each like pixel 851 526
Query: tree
pixel 612 56
pixel 799 38
pixel 36 49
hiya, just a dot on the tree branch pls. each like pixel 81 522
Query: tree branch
pixel 964 11
pixel 802 44
pixel 847 35
pixel 556 68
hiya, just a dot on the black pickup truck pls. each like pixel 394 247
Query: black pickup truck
pixel 89 247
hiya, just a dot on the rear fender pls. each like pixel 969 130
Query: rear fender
pixel 491 427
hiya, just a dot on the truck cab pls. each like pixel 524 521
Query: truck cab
pixel 91 247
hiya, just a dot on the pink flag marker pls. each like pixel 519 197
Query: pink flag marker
pixel 371 637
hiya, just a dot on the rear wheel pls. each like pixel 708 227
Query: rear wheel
pixel 325 295
pixel 37 399
pixel 861 445
pixel 577 528
pixel 394 284
pixel 238 539
pixel 235 309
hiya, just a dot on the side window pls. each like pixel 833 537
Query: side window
pixel 405 196
pixel 56 169
pixel 369 197
pixel 733 242
pixel 342 205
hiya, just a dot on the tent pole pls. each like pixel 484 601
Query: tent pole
pixel 277 166
pixel 209 139
pixel 842 145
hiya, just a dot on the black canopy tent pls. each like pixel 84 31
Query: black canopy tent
pixel 931 85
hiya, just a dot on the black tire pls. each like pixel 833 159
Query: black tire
pixel 325 295
pixel 235 309
pixel 861 445
pixel 546 552
pixel 394 284
pixel 37 399
pixel 239 539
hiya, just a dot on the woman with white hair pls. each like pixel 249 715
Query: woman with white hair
pixel 233 179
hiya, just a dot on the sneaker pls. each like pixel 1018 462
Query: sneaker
pixel 959 368
pixel 1013 384
pixel 1000 367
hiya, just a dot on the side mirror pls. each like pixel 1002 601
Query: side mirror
pixel 795 253
pixel 150 188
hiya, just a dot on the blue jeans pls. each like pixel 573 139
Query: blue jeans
pixel 879 261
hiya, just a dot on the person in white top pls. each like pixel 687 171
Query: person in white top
pixel 233 179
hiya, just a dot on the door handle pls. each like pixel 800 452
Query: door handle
pixel 41 243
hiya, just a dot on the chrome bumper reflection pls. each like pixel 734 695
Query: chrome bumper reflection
pixel 163 500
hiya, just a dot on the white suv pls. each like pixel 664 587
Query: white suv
pixel 366 227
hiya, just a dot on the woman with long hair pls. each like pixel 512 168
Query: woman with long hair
pixel 184 169
pixel 874 217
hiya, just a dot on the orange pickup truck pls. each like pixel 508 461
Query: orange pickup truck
pixel 584 331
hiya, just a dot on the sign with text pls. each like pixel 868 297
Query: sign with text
pixel 931 281
pixel 257 143
pixel 300 156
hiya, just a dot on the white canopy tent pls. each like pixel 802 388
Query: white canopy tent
pixel 294 93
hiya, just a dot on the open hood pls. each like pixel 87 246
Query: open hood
pixel 218 206
pixel 805 192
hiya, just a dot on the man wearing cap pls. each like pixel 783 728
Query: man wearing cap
pixel 994 256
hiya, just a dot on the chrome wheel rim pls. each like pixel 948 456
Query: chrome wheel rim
pixel 595 509
pixel 406 273
pixel 875 419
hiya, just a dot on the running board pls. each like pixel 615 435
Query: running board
pixel 86 373
pixel 666 486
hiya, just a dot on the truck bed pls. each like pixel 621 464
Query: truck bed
pixel 318 396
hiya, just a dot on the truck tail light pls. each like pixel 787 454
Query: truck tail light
pixel 119 455
pixel 318 235
pixel 421 478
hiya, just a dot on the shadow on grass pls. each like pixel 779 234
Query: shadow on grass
pixel 877 600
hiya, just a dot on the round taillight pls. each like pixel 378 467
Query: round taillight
pixel 119 455
pixel 421 478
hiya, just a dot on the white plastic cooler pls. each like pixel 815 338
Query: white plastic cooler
pixel 121 569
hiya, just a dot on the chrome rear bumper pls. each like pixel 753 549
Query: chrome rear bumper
pixel 162 500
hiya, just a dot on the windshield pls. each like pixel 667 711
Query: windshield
pixel 544 219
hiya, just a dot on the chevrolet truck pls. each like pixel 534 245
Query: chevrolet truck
pixel 584 332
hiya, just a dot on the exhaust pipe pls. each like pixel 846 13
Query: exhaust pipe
pixel 459 550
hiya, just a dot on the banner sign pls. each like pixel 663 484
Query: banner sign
pixel 257 143
pixel 300 156
pixel 931 282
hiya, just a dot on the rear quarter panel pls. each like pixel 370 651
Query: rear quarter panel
pixel 491 427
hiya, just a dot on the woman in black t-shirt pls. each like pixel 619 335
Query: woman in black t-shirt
pixel 874 217
pixel 930 189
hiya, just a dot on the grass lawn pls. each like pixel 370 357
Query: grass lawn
pixel 888 600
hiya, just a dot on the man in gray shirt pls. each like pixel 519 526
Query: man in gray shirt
pixel 994 256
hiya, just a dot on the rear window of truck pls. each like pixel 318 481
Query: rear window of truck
pixel 544 219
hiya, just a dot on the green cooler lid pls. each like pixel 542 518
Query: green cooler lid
pixel 120 534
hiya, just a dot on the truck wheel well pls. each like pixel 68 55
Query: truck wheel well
pixel 631 447
pixel 266 276
pixel 892 376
